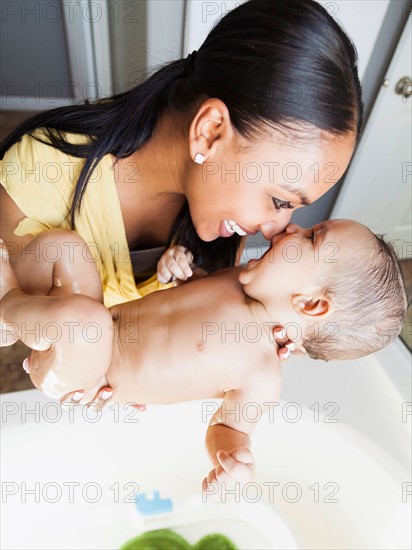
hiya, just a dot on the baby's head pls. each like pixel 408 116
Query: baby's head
pixel 341 284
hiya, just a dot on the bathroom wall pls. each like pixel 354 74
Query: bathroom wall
pixel 34 60
pixel 128 35
pixel 34 37
pixel 164 31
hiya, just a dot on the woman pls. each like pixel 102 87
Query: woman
pixel 262 120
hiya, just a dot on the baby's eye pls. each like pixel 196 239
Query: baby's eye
pixel 278 204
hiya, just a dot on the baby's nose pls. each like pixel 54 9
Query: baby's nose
pixel 293 228
pixel 271 228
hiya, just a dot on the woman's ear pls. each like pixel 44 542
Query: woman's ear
pixel 312 306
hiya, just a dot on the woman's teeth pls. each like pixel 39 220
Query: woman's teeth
pixel 233 227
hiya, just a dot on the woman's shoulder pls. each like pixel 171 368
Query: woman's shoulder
pixel 37 146
pixel 40 139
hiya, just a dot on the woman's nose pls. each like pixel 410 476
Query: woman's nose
pixel 274 227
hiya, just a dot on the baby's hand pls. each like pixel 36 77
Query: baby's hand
pixel 235 468
pixel 175 264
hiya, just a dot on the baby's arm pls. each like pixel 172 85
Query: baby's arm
pixel 228 436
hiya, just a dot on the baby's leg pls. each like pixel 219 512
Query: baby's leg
pixel 71 335
pixel 58 262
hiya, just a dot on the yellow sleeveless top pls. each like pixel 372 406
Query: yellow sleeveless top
pixel 41 180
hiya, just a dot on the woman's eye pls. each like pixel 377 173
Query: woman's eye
pixel 278 204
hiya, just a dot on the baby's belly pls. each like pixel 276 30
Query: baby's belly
pixel 160 358
pixel 143 372
pixel 158 384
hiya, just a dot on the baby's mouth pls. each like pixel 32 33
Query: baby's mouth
pixel 277 238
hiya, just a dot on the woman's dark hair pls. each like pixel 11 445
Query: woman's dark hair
pixel 283 64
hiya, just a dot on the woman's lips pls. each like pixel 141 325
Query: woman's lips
pixel 227 228
pixel 223 232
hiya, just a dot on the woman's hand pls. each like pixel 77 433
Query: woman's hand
pixel 285 345
pixel 175 264
pixel 98 397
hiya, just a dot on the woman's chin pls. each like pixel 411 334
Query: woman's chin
pixel 207 238
pixel 207 235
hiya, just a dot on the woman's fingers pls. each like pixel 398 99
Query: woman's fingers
pixel 98 394
pixel 102 397
pixel 138 407
pixel 99 400
pixel 281 339
pixel 286 347
pixel 78 397
pixel 280 335
pixel 73 397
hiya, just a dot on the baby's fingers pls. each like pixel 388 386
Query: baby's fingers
pixel 239 465
pixel 175 264
pixel 164 275
pixel 175 270
pixel 184 257
pixel 180 262
pixel 216 480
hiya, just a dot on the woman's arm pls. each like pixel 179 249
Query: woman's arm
pixel 10 217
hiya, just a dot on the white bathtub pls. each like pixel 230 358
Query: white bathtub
pixel 338 482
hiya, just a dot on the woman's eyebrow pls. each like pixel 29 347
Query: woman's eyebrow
pixel 304 201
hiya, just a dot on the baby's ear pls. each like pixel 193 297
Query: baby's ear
pixel 312 306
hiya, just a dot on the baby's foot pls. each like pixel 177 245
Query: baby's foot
pixel 8 281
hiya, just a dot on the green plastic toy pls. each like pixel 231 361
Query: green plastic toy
pixel 164 539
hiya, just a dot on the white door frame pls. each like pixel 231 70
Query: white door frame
pixel 382 166
pixel 88 41
pixel 366 195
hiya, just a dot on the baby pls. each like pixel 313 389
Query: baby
pixel 338 285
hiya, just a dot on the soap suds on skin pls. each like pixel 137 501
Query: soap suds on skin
pixel 52 386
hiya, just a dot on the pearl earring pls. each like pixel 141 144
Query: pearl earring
pixel 199 158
